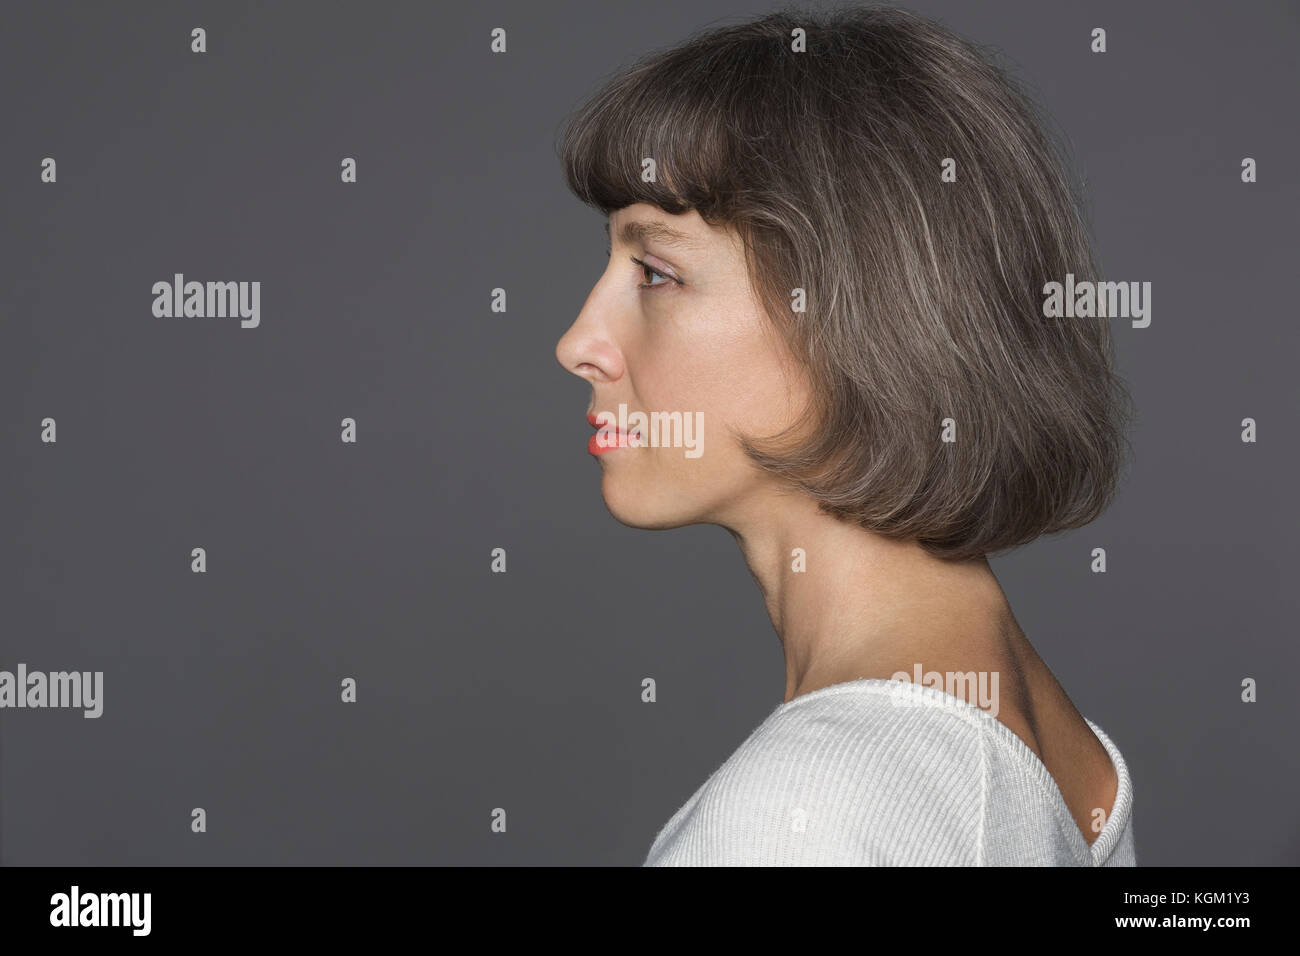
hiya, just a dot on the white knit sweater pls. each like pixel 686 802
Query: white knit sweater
pixel 878 772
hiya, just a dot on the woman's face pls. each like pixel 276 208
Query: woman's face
pixel 680 333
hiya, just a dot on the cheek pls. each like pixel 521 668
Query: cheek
pixel 724 367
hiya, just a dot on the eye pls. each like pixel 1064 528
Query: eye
pixel 647 269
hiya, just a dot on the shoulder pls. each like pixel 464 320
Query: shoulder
pixel 890 777
pixel 854 774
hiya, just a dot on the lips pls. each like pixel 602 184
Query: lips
pixel 614 436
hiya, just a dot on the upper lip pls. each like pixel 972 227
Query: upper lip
pixel 591 420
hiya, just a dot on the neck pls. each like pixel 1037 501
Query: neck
pixel 851 603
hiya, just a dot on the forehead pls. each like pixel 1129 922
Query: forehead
pixel 643 223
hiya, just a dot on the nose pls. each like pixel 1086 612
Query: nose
pixel 588 349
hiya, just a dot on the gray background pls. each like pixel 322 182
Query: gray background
pixel 325 560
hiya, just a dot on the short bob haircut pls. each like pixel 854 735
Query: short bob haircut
pixel 924 297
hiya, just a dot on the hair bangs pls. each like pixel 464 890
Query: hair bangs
pixel 661 134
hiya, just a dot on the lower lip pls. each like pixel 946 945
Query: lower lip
pixel 596 448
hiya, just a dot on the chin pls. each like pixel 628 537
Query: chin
pixel 650 508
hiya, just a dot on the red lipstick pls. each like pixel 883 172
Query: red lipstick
pixel 607 438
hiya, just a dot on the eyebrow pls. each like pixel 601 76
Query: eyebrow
pixel 636 231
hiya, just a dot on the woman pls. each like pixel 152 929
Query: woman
pixel 829 240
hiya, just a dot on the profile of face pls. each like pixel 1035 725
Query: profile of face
pixel 673 326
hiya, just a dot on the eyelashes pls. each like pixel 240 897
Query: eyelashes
pixel 647 268
pixel 653 271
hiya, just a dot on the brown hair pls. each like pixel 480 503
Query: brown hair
pixel 924 298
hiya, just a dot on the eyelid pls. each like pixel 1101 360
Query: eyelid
pixel 662 272
pixel 659 272
pixel 645 265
